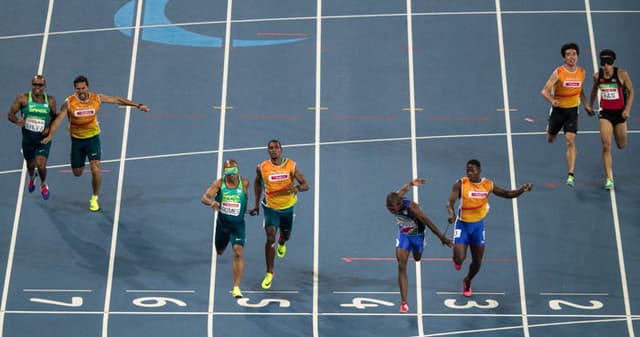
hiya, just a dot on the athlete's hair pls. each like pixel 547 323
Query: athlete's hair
pixel 231 162
pixel 608 53
pixel 80 79
pixel 39 77
pixel 274 141
pixel 570 46
pixel 474 162
pixel 393 198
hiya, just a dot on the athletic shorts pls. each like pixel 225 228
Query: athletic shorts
pixel 85 148
pixel 613 116
pixel 281 219
pixel 31 146
pixel 227 231
pixel 469 233
pixel 410 243
pixel 563 118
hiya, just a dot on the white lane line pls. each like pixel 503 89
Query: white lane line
pixel 612 194
pixel 366 292
pixel 339 142
pixel 316 168
pixel 574 294
pixel 271 291
pixel 471 332
pixel 329 17
pixel 57 290
pixel 221 131
pixel 123 155
pixel 414 153
pixel 512 174
pixel 475 293
pixel 23 175
pixel 160 291
pixel 609 318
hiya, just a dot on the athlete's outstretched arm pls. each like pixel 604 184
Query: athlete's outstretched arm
pixel 510 194
pixel 406 187
pixel 121 100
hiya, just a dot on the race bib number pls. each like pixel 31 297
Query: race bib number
pixel 457 233
pixel 610 94
pixel 279 177
pixel 230 208
pixel 33 124
pixel 571 84
pixel 84 112
pixel 478 194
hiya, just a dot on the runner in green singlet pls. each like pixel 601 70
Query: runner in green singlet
pixel 37 111
pixel 228 196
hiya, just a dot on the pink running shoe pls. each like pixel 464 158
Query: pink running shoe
pixel 457 266
pixel 466 288
pixel 45 192
pixel 31 187
pixel 404 307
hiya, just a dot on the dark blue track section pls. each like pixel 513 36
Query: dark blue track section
pixel 556 254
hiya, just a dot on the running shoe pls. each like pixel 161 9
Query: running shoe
pixel 236 293
pixel 45 192
pixel 32 186
pixel 266 282
pixel 608 185
pixel 571 181
pixel 93 204
pixel 404 307
pixel 457 266
pixel 466 288
pixel 281 250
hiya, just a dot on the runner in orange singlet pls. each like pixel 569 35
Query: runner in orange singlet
pixel 82 109
pixel 277 176
pixel 564 91
pixel 473 192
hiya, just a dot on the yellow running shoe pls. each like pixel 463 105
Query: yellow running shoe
pixel 93 204
pixel 608 185
pixel 236 293
pixel 266 283
pixel 281 250
pixel 571 181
